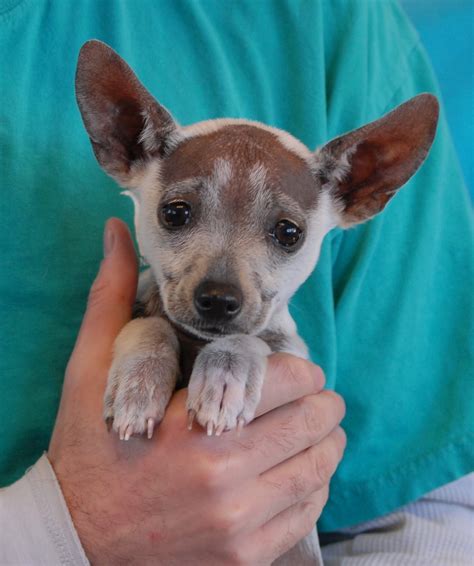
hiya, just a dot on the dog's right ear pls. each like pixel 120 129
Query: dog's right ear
pixel 126 125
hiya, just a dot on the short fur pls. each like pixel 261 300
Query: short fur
pixel 240 179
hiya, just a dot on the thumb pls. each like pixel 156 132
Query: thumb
pixel 110 301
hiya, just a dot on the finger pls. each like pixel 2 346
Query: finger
pixel 284 432
pixel 288 378
pixel 110 301
pixel 284 531
pixel 295 479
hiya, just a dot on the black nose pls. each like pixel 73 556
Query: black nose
pixel 217 302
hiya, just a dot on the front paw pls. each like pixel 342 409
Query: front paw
pixel 138 392
pixel 226 383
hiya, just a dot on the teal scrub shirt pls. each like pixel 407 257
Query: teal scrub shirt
pixel 388 311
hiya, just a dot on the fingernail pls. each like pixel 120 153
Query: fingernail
pixel 109 239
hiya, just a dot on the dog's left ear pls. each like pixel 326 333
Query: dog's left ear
pixel 364 168
pixel 126 125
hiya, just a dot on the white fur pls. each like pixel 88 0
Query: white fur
pixel 226 383
pixel 225 410
pixel 221 176
pixel 339 167
pixel 148 136
pixel 146 191
pixel 335 170
pixel 319 223
pixel 142 377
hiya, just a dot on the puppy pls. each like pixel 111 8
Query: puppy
pixel 230 216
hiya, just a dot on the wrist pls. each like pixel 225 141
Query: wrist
pixel 36 521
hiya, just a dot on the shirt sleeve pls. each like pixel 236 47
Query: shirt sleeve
pixel 35 524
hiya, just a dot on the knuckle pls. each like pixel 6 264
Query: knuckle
pixel 341 440
pixel 323 463
pixel 227 520
pixel 208 475
pixel 298 486
pixel 301 522
pixel 212 470
pixel 285 541
pixel 318 374
pixel 309 515
pixel 236 554
pixel 338 402
pixel 312 422
pixel 324 495
pixel 297 370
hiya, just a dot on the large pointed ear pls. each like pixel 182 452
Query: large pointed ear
pixel 364 168
pixel 126 125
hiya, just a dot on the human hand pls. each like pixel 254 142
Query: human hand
pixel 184 497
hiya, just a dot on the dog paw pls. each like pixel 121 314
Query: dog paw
pixel 226 383
pixel 142 377
pixel 138 392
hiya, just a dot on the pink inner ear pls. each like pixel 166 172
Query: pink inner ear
pixel 382 156
pixel 396 150
pixel 129 124
pixel 377 169
pixel 124 122
pixel 364 191
pixel 363 166
pixel 372 161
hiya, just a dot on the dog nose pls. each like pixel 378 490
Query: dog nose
pixel 217 302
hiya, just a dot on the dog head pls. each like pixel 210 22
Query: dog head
pixel 230 214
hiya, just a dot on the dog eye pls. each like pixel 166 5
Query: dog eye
pixel 286 233
pixel 176 214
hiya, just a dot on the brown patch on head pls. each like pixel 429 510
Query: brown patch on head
pixel 239 181
pixel 244 147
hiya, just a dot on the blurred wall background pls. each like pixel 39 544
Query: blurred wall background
pixel 446 28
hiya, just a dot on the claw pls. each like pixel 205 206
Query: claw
pixel 122 432
pixel 220 429
pixel 150 427
pixel 191 417
pixel 109 421
pixel 210 428
pixel 240 425
pixel 128 432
